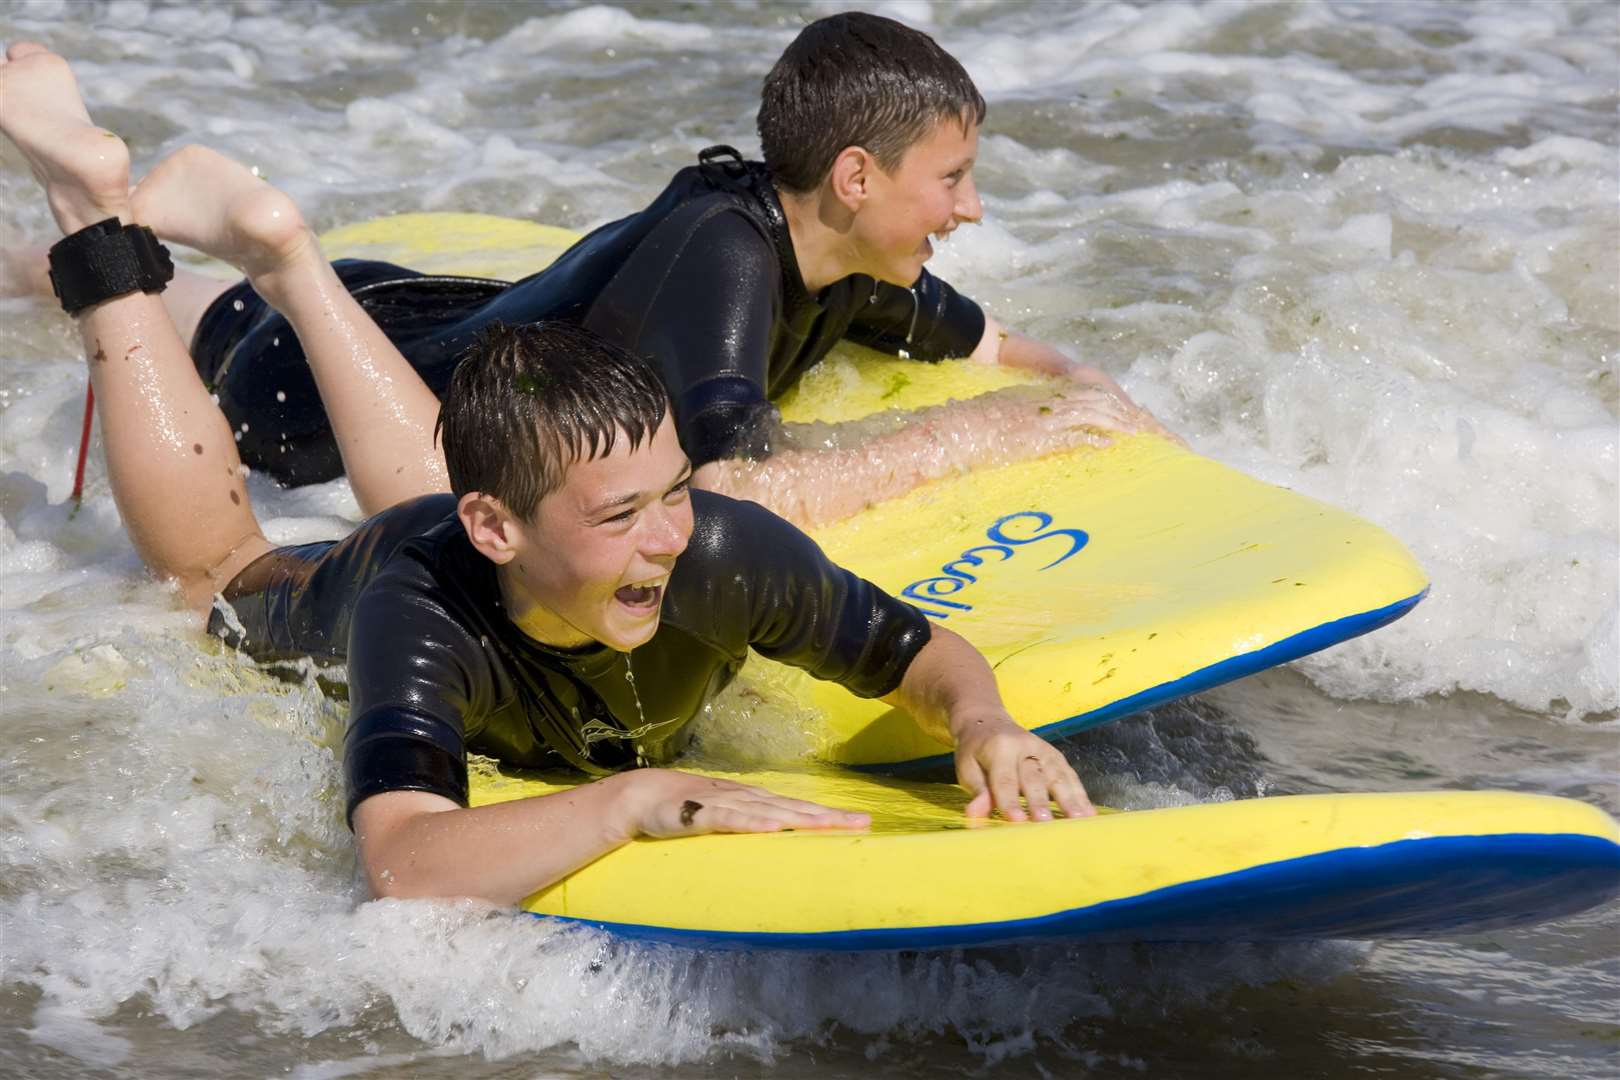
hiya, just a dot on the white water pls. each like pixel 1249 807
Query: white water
pixel 1365 250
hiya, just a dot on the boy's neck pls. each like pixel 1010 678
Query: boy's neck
pixel 819 227
pixel 535 621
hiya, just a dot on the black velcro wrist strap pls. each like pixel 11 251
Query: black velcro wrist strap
pixel 107 260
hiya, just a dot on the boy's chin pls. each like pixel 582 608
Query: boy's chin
pixel 625 635
pixel 904 274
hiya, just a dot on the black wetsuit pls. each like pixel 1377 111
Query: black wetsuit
pixel 703 282
pixel 435 668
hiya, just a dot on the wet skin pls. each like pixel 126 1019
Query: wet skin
pixel 929 193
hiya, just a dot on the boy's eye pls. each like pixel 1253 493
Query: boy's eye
pixel 625 515
pixel 680 490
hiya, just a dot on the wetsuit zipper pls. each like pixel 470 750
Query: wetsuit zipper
pixel 916 309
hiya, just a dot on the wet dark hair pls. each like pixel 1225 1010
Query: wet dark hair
pixel 857 80
pixel 526 402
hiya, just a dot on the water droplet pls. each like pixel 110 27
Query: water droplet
pixel 281 395
pixel 275 343
pixel 238 305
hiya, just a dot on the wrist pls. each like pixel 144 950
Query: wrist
pixel 623 813
pixel 975 722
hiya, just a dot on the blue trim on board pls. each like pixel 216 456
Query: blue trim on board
pixel 1408 888
pixel 1236 667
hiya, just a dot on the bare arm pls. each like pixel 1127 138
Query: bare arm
pixel 1002 346
pixel 950 691
pixel 415 843
pixel 814 487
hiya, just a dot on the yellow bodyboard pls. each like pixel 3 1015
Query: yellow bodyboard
pixel 1295 866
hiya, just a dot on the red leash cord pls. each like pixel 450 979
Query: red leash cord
pixel 84 445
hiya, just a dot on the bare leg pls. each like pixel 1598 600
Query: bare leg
pixel 382 413
pixel 170 455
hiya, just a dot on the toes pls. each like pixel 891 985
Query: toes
pixel 25 48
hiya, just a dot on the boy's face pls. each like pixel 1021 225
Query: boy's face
pixel 595 560
pixel 929 194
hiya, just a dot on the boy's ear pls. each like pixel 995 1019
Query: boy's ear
pixel 490 527
pixel 851 176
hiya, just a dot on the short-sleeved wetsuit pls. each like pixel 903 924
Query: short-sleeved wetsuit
pixel 435 668
pixel 703 282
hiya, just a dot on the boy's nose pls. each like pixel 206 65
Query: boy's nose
pixel 668 532
pixel 968 207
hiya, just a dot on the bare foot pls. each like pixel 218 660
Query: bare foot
pixel 84 169
pixel 206 201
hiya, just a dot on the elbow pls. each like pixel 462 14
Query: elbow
pixel 386 883
pixel 393 873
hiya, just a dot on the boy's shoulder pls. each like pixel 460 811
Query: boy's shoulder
pixel 720 193
pixel 426 570
pixel 739 554
pixel 736 532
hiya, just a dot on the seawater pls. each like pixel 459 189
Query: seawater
pixel 1365 250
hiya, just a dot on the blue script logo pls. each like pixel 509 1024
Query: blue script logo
pixel 929 594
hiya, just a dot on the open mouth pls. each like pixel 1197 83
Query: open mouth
pixel 643 598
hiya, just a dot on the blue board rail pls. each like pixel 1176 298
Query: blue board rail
pixel 1289 648
pixel 1427 887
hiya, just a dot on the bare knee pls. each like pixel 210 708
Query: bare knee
pixel 199 585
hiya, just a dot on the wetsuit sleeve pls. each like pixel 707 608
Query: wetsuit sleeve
pixel 929 321
pixel 807 611
pixel 698 298
pixel 417 682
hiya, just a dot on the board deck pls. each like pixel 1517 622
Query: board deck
pixel 1102 583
